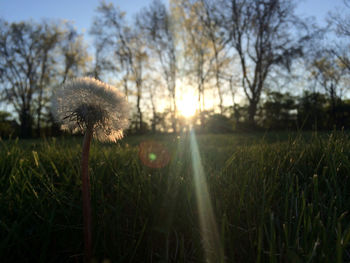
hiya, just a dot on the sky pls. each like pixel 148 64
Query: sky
pixel 81 12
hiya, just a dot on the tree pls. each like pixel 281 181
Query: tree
pixel 74 52
pixel 50 39
pixel 262 32
pixel 30 55
pixel 7 126
pixel 23 63
pixel 311 111
pixel 62 40
pixel 198 59
pixel 18 49
pixel 218 123
pixel 158 25
pixel 328 71
pixel 153 86
pixel 212 31
pixel 126 46
pixel 279 111
pixel 341 27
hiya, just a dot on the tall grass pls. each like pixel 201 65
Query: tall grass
pixel 274 200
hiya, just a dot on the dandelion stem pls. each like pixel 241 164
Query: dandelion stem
pixel 86 194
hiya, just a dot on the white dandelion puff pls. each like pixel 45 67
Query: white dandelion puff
pixel 99 110
pixel 89 103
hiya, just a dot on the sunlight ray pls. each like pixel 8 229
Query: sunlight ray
pixel 209 231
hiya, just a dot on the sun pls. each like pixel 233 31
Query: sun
pixel 187 105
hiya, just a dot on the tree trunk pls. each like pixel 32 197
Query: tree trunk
pixel 41 86
pixel 126 88
pixel 252 108
pixel 154 123
pixel 333 107
pixel 38 125
pixel 217 78
pixel 174 122
pixel 26 124
pixel 138 106
pixel 220 94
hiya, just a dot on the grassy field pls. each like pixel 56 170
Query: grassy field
pixel 270 198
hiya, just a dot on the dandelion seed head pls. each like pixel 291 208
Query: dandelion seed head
pixel 89 103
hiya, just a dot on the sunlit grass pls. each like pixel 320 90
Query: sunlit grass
pixel 209 232
pixel 273 200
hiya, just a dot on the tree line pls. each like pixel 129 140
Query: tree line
pixel 255 62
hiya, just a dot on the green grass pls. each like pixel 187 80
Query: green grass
pixel 276 198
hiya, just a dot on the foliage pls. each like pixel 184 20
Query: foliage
pixel 218 123
pixel 158 27
pixel 222 51
pixel 33 58
pixel 7 127
pixel 261 34
pixel 312 111
pixel 279 111
pixel 125 45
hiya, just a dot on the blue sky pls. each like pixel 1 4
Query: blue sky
pixel 79 11
pixel 83 11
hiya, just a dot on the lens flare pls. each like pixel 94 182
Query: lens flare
pixel 152 157
pixel 209 232
pixel 153 154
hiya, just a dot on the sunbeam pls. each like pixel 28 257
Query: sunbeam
pixel 209 232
